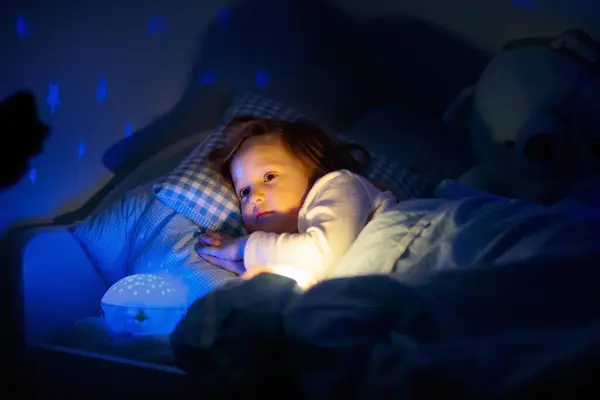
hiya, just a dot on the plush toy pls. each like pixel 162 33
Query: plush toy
pixel 534 118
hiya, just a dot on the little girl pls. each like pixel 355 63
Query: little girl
pixel 302 201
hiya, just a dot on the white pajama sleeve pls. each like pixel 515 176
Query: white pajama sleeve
pixel 337 209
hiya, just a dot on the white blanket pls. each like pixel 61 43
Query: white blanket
pixel 419 237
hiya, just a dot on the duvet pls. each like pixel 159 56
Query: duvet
pixel 485 295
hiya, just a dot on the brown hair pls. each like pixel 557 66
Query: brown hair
pixel 315 148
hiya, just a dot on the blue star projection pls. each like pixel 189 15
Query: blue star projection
pixel 101 89
pixel 223 15
pixel 53 99
pixel 157 26
pixel 21 27
pixel 32 175
pixel 128 129
pixel 261 79
pixel 81 149
pixel 207 78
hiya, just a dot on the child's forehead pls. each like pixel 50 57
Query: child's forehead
pixel 260 150
pixel 267 139
pixel 258 156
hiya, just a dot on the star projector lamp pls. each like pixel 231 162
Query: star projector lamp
pixel 144 304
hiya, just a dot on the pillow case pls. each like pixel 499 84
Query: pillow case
pixel 196 191
pixel 105 233
pixel 137 234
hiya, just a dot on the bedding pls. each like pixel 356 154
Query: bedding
pixel 492 292
pixel 586 192
pixel 419 237
pixel 138 234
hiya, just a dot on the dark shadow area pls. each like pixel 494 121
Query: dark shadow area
pixel 410 61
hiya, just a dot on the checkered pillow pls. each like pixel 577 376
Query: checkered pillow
pixel 199 193
pixel 398 179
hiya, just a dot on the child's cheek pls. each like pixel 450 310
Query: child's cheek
pixel 248 223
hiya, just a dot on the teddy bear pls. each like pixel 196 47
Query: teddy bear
pixel 534 118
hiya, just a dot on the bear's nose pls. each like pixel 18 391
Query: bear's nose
pixel 540 148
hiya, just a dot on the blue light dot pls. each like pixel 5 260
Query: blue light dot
pixel 32 175
pixel 157 26
pixel 207 78
pixel 81 149
pixel 21 27
pixel 128 129
pixel 53 99
pixel 223 14
pixel 261 79
pixel 101 89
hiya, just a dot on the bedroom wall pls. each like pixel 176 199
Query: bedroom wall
pixel 488 24
pixel 104 70
pixel 115 65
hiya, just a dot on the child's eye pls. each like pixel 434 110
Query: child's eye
pixel 244 192
pixel 270 176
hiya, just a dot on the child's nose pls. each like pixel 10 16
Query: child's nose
pixel 258 196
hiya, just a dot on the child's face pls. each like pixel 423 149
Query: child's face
pixel 271 184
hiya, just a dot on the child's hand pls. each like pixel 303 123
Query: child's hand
pixel 212 238
pixel 235 267
pixel 223 250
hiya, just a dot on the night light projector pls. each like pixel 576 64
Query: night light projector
pixel 145 304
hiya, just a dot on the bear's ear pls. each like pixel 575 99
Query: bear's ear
pixel 578 44
pixel 457 113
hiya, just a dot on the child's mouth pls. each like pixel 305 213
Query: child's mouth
pixel 263 214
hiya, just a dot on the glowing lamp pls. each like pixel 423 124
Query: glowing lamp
pixel 145 304
pixel 302 278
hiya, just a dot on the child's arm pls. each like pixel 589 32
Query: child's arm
pixel 338 207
